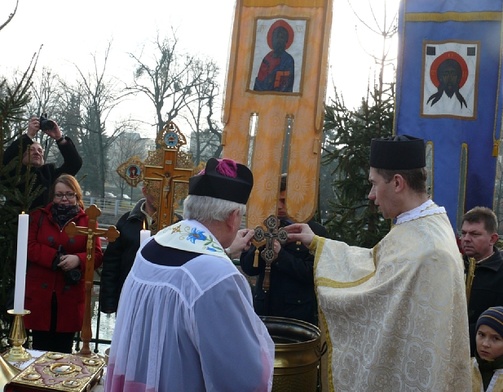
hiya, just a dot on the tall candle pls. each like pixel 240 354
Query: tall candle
pixel 21 260
pixel 144 234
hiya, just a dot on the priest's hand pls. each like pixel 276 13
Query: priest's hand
pixel 277 248
pixel 300 232
pixel 241 243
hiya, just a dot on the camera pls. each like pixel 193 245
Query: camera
pixel 73 276
pixel 45 123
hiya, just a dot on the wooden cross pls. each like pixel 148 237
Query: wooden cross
pixel 261 236
pixel 167 175
pixel 166 178
pixel 92 231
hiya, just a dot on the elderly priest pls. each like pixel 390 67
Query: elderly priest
pixel 185 319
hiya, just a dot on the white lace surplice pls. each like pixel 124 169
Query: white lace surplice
pixel 189 328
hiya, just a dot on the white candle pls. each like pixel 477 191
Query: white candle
pixel 21 260
pixel 144 234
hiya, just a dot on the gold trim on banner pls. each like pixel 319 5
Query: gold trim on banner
pixel 453 16
pixel 290 3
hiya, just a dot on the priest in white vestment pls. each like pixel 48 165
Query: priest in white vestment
pixel 185 320
pixel 395 315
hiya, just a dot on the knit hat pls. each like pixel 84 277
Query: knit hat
pixel 400 152
pixel 223 179
pixel 492 317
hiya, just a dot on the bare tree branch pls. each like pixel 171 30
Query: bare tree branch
pixel 11 15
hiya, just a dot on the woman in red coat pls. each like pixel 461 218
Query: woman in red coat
pixel 56 263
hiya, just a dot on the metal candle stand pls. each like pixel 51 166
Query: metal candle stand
pixel 17 337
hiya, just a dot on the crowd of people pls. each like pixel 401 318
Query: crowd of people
pixel 421 310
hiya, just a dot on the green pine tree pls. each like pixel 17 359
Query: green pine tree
pixel 13 100
pixel 354 219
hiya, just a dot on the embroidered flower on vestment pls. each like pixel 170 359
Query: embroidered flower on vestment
pixel 419 363
pixel 196 235
pixel 212 245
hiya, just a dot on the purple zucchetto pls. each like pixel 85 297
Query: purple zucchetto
pixel 223 179
pixel 400 152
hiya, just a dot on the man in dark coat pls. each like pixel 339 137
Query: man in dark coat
pixel 120 254
pixel 291 293
pixel 478 240
pixel 33 159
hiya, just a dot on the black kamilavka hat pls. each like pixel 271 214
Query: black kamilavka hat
pixel 223 179
pixel 400 152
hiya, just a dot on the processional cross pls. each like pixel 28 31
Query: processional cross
pixel 92 231
pixel 165 173
pixel 261 236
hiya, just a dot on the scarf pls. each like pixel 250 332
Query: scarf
pixel 487 369
pixel 63 213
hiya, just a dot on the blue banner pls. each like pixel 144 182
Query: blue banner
pixel 449 92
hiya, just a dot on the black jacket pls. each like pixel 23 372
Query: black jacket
pixel 291 293
pixel 47 173
pixel 487 290
pixel 119 257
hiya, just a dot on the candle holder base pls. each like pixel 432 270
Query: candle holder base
pixel 17 337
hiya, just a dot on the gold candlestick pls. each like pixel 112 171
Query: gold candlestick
pixel 17 337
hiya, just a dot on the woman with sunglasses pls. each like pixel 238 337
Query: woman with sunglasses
pixel 56 264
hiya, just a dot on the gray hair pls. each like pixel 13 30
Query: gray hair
pixel 207 209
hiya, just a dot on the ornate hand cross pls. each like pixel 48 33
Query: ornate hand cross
pixel 274 232
pixel 92 231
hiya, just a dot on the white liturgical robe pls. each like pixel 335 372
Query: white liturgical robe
pixel 395 316
pixel 188 327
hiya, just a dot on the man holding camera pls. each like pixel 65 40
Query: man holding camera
pixel 33 158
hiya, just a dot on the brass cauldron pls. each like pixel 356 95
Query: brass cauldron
pixel 297 352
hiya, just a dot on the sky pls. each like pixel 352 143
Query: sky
pixel 72 31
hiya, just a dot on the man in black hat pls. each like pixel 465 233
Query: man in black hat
pixel 395 314
pixel 185 320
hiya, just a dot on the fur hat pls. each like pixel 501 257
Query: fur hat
pixel 223 179
pixel 492 317
pixel 400 152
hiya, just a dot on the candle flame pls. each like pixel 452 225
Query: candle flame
pixel 144 225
